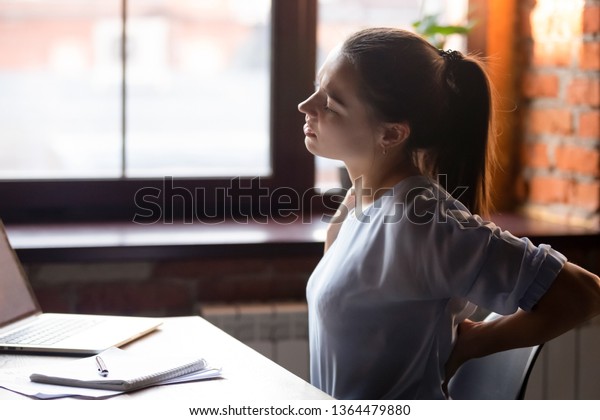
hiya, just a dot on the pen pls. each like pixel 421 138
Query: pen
pixel 102 369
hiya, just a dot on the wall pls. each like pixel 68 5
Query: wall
pixel 560 110
pixel 554 81
pixel 567 367
pixel 169 288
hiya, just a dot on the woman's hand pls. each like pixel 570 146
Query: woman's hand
pixel 466 336
pixel 573 298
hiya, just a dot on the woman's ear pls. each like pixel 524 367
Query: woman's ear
pixel 394 134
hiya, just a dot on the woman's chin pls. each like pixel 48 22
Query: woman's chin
pixel 313 147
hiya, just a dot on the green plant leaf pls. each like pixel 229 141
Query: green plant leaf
pixel 448 30
pixel 429 26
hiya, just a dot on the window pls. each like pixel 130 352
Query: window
pixel 191 68
pixel 198 80
pixel 193 102
pixel 58 117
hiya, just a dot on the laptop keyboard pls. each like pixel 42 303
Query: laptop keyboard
pixel 48 331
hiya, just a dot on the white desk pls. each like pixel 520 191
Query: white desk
pixel 248 375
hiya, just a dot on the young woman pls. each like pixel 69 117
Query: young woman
pixel 407 257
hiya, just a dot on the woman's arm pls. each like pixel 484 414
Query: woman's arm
pixel 340 215
pixel 573 298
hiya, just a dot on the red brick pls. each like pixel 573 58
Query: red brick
pixel 524 20
pixel 535 155
pixel 289 289
pixel 578 159
pixel 586 195
pixel 547 190
pixel 584 91
pixel 222 290
pixel 295 265
pixel 550 121
pixel 557 54
pixel 540 85
pixel 168 298
pixel 54 298
pixel 591 19
pixel 233 290
pixel 590 56
pixel 521 189
pixel 589 124
pixel 214 268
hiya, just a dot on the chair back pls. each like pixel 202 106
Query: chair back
pixel 499 376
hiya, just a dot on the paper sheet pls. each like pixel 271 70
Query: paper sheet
pixel 17 380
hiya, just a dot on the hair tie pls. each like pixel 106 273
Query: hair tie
pixel 451 55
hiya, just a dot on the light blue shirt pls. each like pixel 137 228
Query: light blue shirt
pixel 385 299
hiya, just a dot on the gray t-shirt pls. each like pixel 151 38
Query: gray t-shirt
pixel 385 300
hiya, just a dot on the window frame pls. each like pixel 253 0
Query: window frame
pixel 293 55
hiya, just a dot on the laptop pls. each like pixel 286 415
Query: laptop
pixel 24 328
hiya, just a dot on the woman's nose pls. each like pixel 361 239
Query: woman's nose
pixel 305 106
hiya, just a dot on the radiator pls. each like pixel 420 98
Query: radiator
pixel 568 367
pixel 279 331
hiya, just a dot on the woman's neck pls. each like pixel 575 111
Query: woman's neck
pixel 370 185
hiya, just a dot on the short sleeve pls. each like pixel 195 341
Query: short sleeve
pixel 476 260
pixel 515 273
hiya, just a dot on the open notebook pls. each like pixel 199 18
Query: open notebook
pixel 24 328
pixel 127 371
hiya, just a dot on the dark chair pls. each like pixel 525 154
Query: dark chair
pixel 499 376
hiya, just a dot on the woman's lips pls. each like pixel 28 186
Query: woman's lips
pixel 308 132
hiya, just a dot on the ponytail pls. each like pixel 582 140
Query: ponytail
pixel 464 148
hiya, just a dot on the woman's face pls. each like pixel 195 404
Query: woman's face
pixel 338 123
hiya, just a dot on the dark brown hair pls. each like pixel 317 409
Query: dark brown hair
pixel 445 98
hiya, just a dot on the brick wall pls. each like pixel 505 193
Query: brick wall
pixel 169 288
pixel 560 110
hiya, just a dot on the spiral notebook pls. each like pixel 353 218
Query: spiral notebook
pixel 126 371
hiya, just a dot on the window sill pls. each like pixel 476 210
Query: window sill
pixel 120 241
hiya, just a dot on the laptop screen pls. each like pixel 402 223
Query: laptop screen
pixel 16 298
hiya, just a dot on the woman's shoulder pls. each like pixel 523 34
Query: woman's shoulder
pixel 420 201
